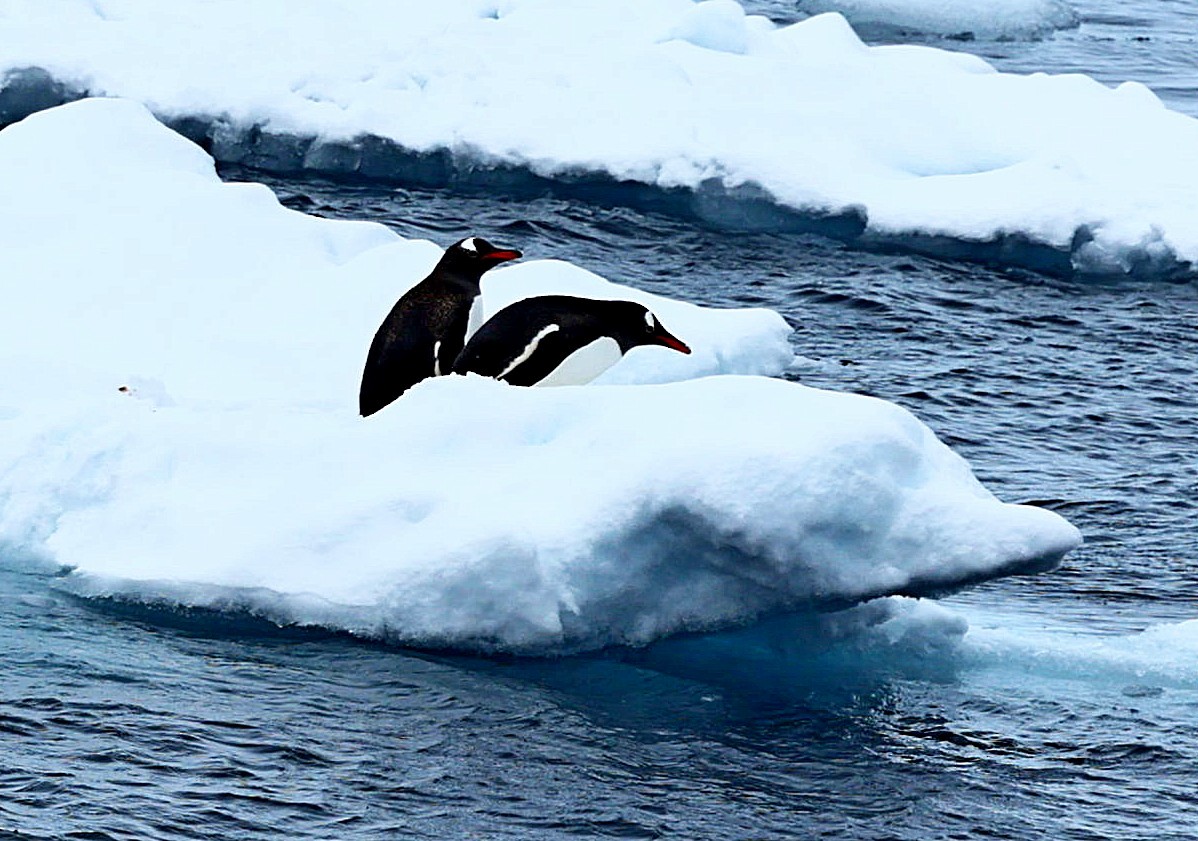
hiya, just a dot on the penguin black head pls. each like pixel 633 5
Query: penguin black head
pixel 640 327
pixel 474 255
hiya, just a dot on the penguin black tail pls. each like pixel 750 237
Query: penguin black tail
pixel 371 399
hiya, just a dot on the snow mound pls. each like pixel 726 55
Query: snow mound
pixel 173 276
pixel 996 19
pixel 897 145
pixel 179 427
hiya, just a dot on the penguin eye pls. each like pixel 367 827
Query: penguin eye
pixel 650 321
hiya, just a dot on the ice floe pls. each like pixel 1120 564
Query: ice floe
pixel 905 145
pixel 988 19
pixel 181 359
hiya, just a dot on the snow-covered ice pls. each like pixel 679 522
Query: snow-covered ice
pixel 1000 19
pixel 905 143
pixel 181 359
pixel 136 243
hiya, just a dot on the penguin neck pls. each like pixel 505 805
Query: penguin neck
pixel 617 312
pixel 626 344
pixel 465 280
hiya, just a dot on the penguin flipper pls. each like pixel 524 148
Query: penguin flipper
pixel 522 343
pixel 521 358
pixel 395 363
pixel 485 354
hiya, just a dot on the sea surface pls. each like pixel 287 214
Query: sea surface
pixel 1060 706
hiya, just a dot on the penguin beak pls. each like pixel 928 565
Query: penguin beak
pixel 672 342
pixel 502 255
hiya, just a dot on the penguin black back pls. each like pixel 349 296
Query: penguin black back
pixel 560 340
pixel 426 329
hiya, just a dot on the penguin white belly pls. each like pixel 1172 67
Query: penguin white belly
pixel 475 319
pixel 584 364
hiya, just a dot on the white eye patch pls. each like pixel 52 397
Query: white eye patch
pixel 470 244
pixel 650 320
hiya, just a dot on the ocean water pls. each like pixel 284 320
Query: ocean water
pixel 1058 706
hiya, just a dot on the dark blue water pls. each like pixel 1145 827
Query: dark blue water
pixel 1053 716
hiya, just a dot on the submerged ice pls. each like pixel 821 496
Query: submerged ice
pixel 828 657
pixel 880 145
pixel 180 429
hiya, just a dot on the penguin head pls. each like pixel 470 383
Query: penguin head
pixel 474 255
pixel 641 327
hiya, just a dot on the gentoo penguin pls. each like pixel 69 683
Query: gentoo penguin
pixel 560 340
pixel 425 330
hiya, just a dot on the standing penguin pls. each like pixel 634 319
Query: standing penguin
pixel 560 340
pixel 425 330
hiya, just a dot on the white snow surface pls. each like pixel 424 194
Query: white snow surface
pixel 669 93
pixel 980 18
pixel 234 473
